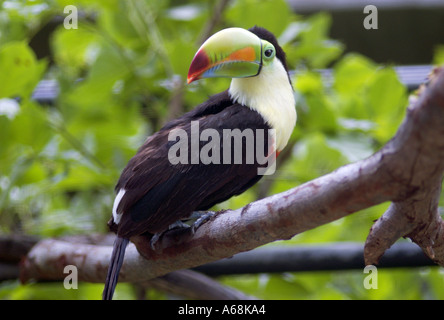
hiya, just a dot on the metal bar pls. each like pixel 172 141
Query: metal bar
pixel 308 6
pixel 329 257
pixel 47 91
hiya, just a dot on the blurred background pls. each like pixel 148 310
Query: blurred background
pixel 78 99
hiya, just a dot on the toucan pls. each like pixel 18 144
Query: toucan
pixel 154 192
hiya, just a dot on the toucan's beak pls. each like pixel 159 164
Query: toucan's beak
pixel 232 53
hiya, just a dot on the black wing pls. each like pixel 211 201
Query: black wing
pixel 159 193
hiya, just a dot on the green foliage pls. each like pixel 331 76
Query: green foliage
pixel 20 69
pixel 118 73
pixel 439 55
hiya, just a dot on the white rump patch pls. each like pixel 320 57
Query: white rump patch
pixel 118 216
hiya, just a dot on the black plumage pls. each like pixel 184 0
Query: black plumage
pixel 158 193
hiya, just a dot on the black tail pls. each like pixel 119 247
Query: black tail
pixel 114 267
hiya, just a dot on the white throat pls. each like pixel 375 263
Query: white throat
pixel 271 95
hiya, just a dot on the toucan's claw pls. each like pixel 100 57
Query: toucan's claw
pixel 202 217
pixel 154 240
pixel 176 225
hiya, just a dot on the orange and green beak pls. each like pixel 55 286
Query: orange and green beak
pixel 230 53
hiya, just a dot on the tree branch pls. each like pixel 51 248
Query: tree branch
pixel 211 23
pixel 185 283
pixel 195 285
pixel 407 170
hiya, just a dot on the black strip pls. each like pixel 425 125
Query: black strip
pixel 260 65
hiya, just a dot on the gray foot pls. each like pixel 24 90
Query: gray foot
pixel 156 236
pixel 201 218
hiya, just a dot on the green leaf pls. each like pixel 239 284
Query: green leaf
pixel 308 82
pixel 352 73
pixel 314 158
pixel 385 100
pixel 438 58
pixel 75 49
pixel 313 44
pixel 20 70
pixel 29 127
pixel 315 112
pixel 353 146
pixel 273 15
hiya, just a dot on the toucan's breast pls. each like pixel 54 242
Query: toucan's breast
pixel 271 95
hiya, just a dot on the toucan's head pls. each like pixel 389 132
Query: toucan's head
pixel 258 67
pixel 236 53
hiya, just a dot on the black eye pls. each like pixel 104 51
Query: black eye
pixel 268 53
